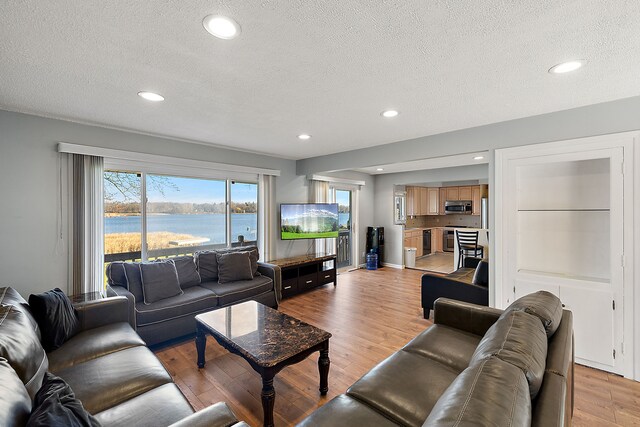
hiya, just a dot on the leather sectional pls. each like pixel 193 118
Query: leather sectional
pixel 475 366
pixel 109 368
pixel 175 316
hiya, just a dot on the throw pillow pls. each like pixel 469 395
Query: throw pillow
pixel 56 317
pixel 187 271
pixel 207 263
pixel 116 275
pixel 234 266
pixel 134 281
pixel 159 280
pixel 542 304
pixel 55 404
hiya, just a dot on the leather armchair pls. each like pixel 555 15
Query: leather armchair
pixel 457 285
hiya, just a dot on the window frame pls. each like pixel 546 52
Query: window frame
pixel 143 169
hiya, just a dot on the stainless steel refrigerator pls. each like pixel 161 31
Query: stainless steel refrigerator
pixel 484 213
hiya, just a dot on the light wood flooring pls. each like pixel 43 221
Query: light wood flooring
pixel 439 262
pixel 371 314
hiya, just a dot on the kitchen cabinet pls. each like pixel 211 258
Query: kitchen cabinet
pixel 476 200
pixel 433 199
pixel 464 193
pixel 443 197
pixel 413 239
pixel 436 240
pixel 413 201
pixel 452 193
pixel 424 201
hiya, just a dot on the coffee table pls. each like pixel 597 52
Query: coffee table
pixel 267 339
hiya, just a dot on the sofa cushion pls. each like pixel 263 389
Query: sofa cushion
pixel 94 343
pixel 116 275
pixel 56 317
pixel 55 404
pixel 15 403
pixel 519 339
pixel 393 386
pixel 234 266
pixel 20 346
pixel 346 411
pixel 114 378
pixel 207 263
pixel 481 274
pixel 134 281
pixel 160 406
pixel 192 300
pixel 159 280
pixel 542 304
pixel 188 275
pixel 229 293
pixel 449 346
pixel 490 393
pixel 9 296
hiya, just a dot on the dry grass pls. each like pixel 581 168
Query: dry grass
pixel 115 243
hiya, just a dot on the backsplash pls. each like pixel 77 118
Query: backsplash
pixel 472 221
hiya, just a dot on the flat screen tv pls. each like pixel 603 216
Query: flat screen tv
pixel 308 221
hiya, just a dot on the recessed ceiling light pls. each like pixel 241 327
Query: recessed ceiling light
pixel 389 113
pixel 478 158
pixel 222 27
pixel 566 67
pixel 304 136
pixel 379 169
pixel 150 96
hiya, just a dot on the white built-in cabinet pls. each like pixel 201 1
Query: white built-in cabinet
pixel 560 227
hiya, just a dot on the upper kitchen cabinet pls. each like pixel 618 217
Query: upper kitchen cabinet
pixel 433 198
pixel 464 193
pixel 476 200
pixel 443 198
pixel 424 201
pixel 452 193
pixel 413 201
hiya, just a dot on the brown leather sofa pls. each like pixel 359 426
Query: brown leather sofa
pixel 175 316
pixel 111 371
pixel 475 366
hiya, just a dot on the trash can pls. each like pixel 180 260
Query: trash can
pixel 372 260
pixel 410 257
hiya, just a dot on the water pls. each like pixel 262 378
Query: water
pixel 211 226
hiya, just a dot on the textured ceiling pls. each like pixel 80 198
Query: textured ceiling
pixel 327 68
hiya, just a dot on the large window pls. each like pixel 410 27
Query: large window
pixel 180 215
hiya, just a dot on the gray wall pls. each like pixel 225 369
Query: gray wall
pixel 32 257
pixel 599 119
pixel 383 205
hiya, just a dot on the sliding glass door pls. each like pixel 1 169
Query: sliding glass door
pixel 345 237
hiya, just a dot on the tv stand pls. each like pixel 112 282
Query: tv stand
pixel 306 272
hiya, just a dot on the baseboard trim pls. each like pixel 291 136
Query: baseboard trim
pixel 398 266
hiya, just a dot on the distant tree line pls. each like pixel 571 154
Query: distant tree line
pixel 343 209
pixel 179 208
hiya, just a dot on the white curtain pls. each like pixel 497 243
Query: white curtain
pixel 88 224
pixel 267 220
pixel 319 192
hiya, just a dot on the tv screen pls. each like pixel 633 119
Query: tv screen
pixel 308 221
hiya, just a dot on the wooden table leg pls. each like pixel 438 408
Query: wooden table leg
pixel 323 367
pixel 201 343
pixel 268 399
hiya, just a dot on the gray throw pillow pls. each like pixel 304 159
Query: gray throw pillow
pixel 187 272
pixel 134 282
pixel 234 266
pixel 159 280
pixel 207 264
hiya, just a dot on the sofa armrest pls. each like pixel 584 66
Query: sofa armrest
pixel 114 291
pixel 93 314
pixel 218 415
pixel 465 316
pixel 272 271
pixel 436 286
pixel 471 262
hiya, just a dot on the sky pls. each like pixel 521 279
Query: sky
pixel 192 190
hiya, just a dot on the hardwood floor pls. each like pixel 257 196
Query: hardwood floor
pixel 371 314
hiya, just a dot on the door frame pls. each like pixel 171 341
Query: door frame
pixel 629 302
pixel 355 236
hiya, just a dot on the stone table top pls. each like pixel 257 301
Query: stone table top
pixel 297 260
pixel 260 333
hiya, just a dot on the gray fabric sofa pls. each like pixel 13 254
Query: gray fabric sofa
pixel 475 366
pixel 174 317
pixel 109 368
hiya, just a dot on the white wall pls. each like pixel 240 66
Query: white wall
pixel 32 257
pixel 383 200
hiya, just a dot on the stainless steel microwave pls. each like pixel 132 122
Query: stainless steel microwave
pixel 457 207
